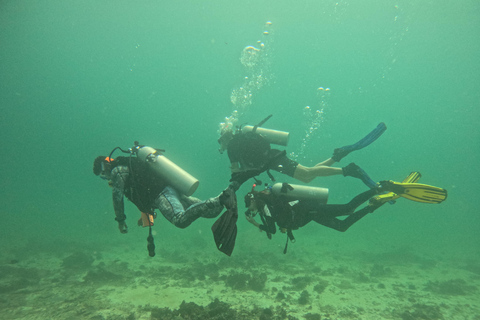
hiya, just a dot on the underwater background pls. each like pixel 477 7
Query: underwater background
pixel 79 78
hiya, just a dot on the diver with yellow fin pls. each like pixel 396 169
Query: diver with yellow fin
pixel 151 181
pixel 291 207
pixel 250 154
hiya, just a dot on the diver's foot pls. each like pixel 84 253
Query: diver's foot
pixel 235 185
pixel 228 198
pixel 352 170
pixel 339 154
pixel 389 186
pixel 379 200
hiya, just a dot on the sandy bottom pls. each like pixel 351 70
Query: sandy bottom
pixel 119 282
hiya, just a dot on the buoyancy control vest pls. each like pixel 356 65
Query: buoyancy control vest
pixel 251 148
pixel 143 185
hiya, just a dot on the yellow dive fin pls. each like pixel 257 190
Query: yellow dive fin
pixel 416 191
pixel 381 199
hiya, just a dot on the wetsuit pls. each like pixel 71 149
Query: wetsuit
pixel 295 214
pixel 148 193
pixel 253 152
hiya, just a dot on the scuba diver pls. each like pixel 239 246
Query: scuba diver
pixel 291 207
pixel 250 154
pixel 151 181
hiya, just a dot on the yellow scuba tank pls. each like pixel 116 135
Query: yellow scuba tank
pixel 298 192
pixel 175 176
pixel 272 136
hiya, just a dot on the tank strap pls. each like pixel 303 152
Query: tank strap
pixel 279 154
pixel 286 187
pixel 289 237
pixel 270 176
pixel 269 235
pixel 261 123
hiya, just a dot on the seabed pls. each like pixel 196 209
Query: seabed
pixel 78 281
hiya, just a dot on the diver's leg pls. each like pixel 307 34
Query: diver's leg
pixel 343 225
pixel 326 214
pixel 307 174
pixel 283 164
pixel 171 207
pixel 361 198
pixel 326 163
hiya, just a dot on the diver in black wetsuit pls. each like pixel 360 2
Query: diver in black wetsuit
pixel 291 215
pixel 275 208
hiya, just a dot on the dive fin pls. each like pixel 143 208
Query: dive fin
pixel 366 179
pixel 352 170
pixel 381 199
pixel 340 153
pixel 416 191
pixel 225 228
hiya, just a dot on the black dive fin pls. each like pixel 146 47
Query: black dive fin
pixel 225 229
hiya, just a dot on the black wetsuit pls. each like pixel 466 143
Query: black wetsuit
pixel 253 152
pixel 296 214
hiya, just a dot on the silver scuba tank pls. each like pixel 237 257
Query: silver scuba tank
pixel 272 136
pixel 301 192
pixel 175 176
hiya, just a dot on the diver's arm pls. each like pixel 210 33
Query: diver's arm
pixel 251 219
pixel 269 225
pixel 119 176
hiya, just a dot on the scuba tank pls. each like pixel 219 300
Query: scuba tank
pixel 178 178
pixel 175 176
pixel 298 192
pixel 272 136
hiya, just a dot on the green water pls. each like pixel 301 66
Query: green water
pixel 79 78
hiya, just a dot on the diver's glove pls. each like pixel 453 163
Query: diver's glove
pixel 122 226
